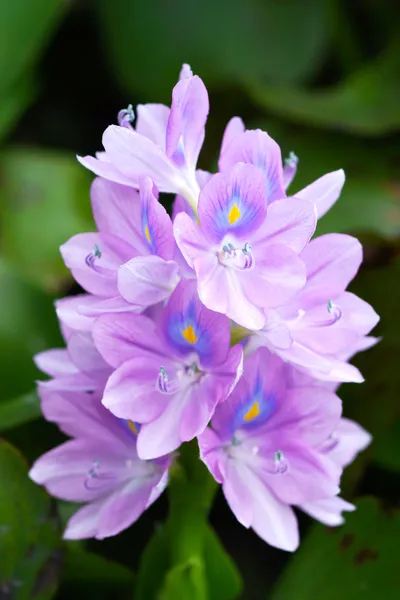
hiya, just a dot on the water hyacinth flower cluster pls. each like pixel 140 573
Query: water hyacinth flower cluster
pixel 149 361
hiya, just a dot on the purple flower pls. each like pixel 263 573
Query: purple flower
pixel 245 255
pixel 79 367
pixel 256 147
pixel 99 467
pixel 129 264
pixel 265 448
pixel 342 447
pixel 171 372
pixel 164 146
pixel 317 327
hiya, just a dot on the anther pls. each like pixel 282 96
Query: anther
pixel 280 462
pixel 336 313
pixel 162 381
pixel 126 117
pixel 291 161
pixel 90 258
pixel 249 258
pixel 289 170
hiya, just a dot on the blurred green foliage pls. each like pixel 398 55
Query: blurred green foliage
pixel 322 77
pixel 358 561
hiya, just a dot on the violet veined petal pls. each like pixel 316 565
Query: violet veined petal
pixel 255 147
pixel 233 203
pixel 324 191
pixel 186 122
pixel 156 223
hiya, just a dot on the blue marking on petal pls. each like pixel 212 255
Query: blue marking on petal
pixel 147 231
pixel 185 334
pixel 235 216
pixel 255 409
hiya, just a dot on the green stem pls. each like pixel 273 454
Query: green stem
pixel 191 493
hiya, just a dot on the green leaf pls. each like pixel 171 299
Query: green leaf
pixel 25 28
pixel 155 559
pixel 223 41
pixel 45 200
pixel 386 451
pixel 19 411
pixel 223 578
pixel 88 572
pixel 28 324
pixel 30 552
pixel 358 561
pixel 364 103
pixel 14 102
pixel 186 581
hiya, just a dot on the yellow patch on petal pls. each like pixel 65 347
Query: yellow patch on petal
pixel 132 427
pixel 189 334
pixel 147 233
pixel 253 412
pixel 234 214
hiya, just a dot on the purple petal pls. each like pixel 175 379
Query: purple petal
pixel 156 223
pixel 180 205
pixel 186 72
pixel 289 170
pixel 300 355
pixel 84 523
pixel 67 312
pixel 238 495
pixel 278 274
pixel 290 222
pixel 203 177
pixel 199 409
pixel 234 127
pixel 233 202
pixel 123 508
pixel 332 261
pixel 275 332
pixel 147 280
pixel 352 439
pixel 259 149
pixel 224 290
pixel 324 191
pixel 137 156
pixel 117 211
pixel 357 315
pixel 212 454
pixel 189 326
pixel 94 259
pixel 187 119
pixel 131 392
pixel 189 238
pixel 77 413
pixel 85 355
pixel 272 520
pixel 328 511
pixel 121 337
pixel 109 305
pixel 151 121
pixel 101 167
pixel 310 475
pixel 308 413
pixel 55 363
pixel 162 436
pixel 339 371
pixel 263 384
pixel 64 470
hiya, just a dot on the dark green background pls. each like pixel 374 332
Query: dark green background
pixel 323 78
